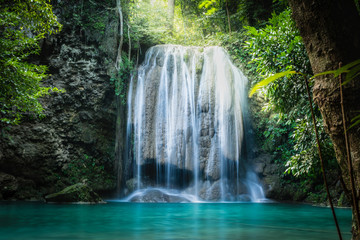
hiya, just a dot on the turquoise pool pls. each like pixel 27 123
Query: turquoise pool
pixel 171 221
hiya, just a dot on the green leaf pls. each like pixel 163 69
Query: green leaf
pixel 323 73
pixel 353 73
pixel 357 121
pixel 269 80
pixel 346 67
pixel 355 118
pixel 354 124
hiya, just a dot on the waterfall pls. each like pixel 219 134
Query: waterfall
pixel 187 126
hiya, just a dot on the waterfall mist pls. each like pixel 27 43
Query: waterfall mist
pixel 187 127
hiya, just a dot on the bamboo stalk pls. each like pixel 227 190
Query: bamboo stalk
pixel 321 159
pixel 348 156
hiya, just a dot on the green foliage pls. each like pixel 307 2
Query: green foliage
pixel 22 25
pixel 87 169
pixel 149 25
pixel 279 56
pixel 89 17
pixel 211 6
pixel 305 145
pixel 305 161
pixel 269 80
pixel 148 22
pixel 214 14
pixel 257 12
pixel 355 121
pixel 213 17
pixel 197 22
pixel 120 79
pixel 317 197
pixel 278 48
pixel 274 134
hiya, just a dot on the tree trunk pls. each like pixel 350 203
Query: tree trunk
pixel 121 34
pixel 228 15
pixel 171 10
pixel 331 32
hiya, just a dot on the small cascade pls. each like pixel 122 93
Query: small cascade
pixel 186 126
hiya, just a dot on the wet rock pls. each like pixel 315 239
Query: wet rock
pixel 211 191
pixel 158 196
pixel 132 184
pixel 259 167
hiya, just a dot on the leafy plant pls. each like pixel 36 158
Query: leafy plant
pixel 88 169
pixel 276 52
pixel 275 48
pixel 303 161
pixel 22 25
pixel 351 70
pixel 120 79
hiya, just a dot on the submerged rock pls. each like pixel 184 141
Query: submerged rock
pixel 77 193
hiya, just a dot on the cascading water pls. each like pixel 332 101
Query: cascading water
pixel 186 126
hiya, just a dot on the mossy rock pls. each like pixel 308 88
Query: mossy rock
pixel 77 193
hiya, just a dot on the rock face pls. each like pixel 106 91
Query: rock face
pixel 270 173
pixel 77 193
pixel 77 134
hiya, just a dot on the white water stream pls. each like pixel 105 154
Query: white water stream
pixel 187 126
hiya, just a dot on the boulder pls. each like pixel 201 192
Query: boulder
pixel 157 196
pixel 8 185
pixel 77 193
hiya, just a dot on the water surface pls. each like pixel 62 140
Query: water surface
pixel 210 221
